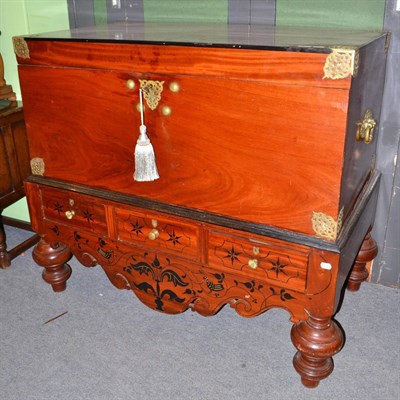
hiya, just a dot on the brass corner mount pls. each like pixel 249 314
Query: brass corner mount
pixel 325 226
pixel 21 48
pixel 341 63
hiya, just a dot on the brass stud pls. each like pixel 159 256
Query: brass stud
pixel 139 108
pixel 174 87
pixel 130 84
pixel 166 111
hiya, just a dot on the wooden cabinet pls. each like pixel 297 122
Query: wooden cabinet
pixel 14 168
pixel 264 145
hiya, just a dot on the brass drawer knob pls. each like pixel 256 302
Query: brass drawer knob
pixel 153 234
pixel 253 263
pixel 70 214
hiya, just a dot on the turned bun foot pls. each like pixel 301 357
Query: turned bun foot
pixel 316 340
pixel 359 273
pixel 53 259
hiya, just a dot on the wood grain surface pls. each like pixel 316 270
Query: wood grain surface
pixel 249 149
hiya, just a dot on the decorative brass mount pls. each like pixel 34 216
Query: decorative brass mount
pixel 365 128
pixel 20 47
pixel 325 226
pixel 37 166
pixel 151 92
pixel 341 63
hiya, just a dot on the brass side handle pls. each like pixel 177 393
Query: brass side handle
pixel 365 128
pixel 70 214
pixel 253 263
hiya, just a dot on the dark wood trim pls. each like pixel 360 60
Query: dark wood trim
pixel 370 188
pixel 25 245
pixel 17 223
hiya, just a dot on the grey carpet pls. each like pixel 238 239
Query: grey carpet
pixel 110 346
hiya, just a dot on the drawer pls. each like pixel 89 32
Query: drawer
pixel 75 210
pixel 158 232
pixel 266 259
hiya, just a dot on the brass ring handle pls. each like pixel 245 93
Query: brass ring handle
pixel 153 234
pixel 70 214
pixel 253 263
pixel 365 128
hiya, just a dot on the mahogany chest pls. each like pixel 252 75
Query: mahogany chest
pixel 264 145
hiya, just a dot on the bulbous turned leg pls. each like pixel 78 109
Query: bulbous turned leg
pixel 316 340
pixel 53 259
pixel 359 273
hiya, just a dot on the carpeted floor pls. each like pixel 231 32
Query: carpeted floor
pixel 110 346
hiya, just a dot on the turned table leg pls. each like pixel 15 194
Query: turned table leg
pixel 359 273
pixel 317 340
pixel 54 260
pixel 5 260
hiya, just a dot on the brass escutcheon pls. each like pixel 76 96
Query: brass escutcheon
pixel 151 92
pixel 365 128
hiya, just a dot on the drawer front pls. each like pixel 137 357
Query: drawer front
pixel 267 260
pixel 75 210
pixel 158 232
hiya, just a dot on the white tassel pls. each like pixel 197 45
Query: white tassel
pixel 145 160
